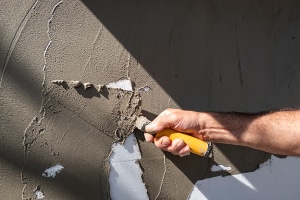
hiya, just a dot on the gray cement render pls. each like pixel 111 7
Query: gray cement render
pixel 240 56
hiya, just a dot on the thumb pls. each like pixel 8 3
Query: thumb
pixel 151 128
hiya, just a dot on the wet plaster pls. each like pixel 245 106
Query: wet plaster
pixel 54 146
pixel 198 55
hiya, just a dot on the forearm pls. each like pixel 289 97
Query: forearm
pixel 277 132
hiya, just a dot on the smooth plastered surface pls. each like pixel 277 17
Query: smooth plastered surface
pixel 274 179
pixel 199 55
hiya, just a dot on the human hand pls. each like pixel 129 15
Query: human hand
pixel 180 120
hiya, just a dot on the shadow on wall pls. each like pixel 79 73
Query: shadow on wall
pixel 223 56
pixel 212 55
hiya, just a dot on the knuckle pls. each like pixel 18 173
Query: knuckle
pixel 168 111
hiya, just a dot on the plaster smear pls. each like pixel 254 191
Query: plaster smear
pixel 125 176
pixel 275 179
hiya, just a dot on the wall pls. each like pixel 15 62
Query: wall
pixel 201 55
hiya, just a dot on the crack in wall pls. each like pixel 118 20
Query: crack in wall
pixel 31 134
pixel 15 39
pixel 127 65
pixel 162 179
pixel 33 130
pixel 237 48
pixel 50 40
pixel 92 49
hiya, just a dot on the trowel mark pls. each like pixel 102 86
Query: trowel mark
pixel 15 39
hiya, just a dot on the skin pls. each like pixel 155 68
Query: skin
pixel 274 132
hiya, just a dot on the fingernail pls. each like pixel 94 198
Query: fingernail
pixel 185 151
pixel 149 128
pixel 179 144
pixel 165 143
pixel 148 138
pixel 186 154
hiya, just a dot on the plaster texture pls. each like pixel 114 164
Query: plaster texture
pixel 225 56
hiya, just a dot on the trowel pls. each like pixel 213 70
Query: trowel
pixel 131 118
pixel 196 145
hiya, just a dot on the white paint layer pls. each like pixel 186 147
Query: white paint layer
pixel 125 176
pixel 52 171
pixel 39 194
pixel 275 179
pixel 125 84
pixel 216 168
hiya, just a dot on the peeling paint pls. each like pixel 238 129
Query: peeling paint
pixel 125 176
pixel 146 88
pixel 216 168
pixel 125 84
pixel 39 193
pixel 52 171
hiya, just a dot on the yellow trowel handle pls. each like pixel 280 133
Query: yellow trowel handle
pixel 196 145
